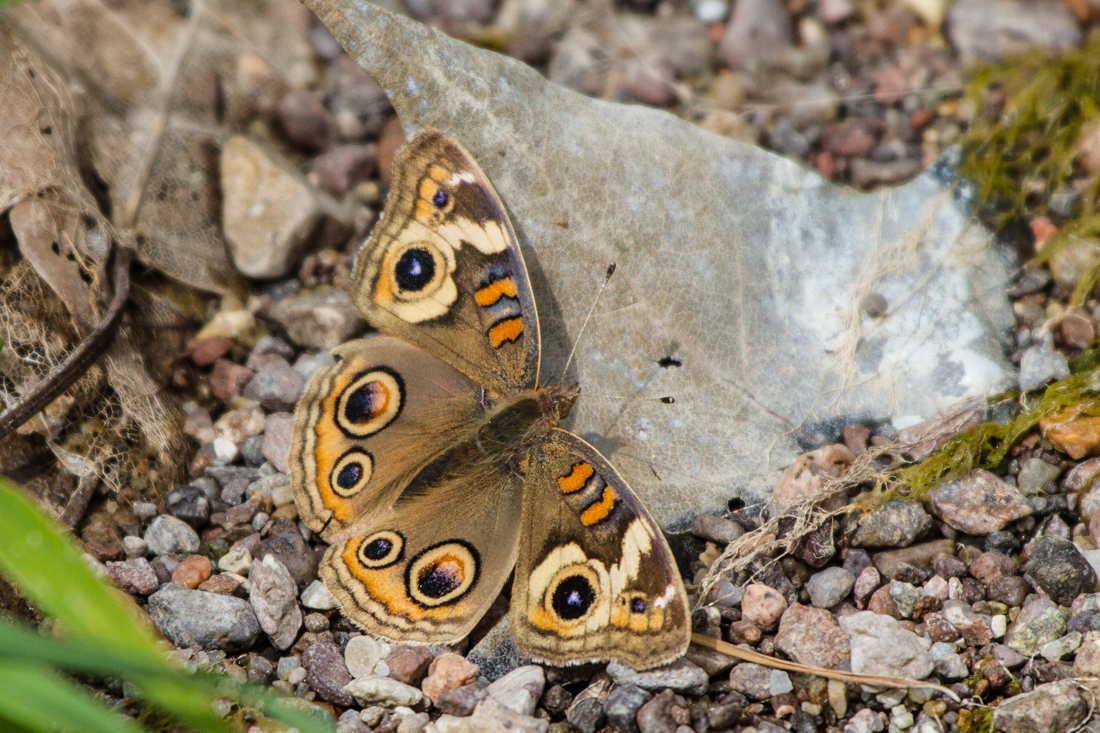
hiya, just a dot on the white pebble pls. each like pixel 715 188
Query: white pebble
pixel 900 718
pixel 260 520
pixel 999 624
pixel 317 597
pixel 245 583
pixel 135 547
pixel 363 654
pixel 779 683
pixel 237 561
pixel 225 451
pixel 298 674
pixel 711 11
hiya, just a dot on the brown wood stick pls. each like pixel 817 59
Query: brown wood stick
pixel 82 357
pixel 724 647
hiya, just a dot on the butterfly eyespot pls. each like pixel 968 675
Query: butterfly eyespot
pixel 351 473
pixel 441 198
pixel 442 574
pixel 415 270
pixel 572 597
pixel 370 402
pixel 637 606
pixel 381 549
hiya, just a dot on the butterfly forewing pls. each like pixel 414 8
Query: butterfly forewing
pixel 365 425
pixel 595 579
pixel 444 271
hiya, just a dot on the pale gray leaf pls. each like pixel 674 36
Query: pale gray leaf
pixel 741 265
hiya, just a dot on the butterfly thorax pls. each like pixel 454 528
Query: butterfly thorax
pixel 517 422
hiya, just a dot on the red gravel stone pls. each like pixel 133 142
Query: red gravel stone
pixel 206 351
pixel 229 379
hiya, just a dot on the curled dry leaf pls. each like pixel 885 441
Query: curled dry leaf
pixel 156 85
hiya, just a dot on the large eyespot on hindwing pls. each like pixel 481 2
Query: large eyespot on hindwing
pixel 573 593
pixel 442 573
pixel 370 402
pixel 351 473
pixel 381 549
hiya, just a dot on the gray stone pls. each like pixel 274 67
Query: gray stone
pixel 288 547
pixel 135 576
pixel 1039 367
pixel 990 30
pixel 134 546
pixel 309 364
pixel 1057 707
pixel 947 663
pixel 757 30
pixel 168 535
pixel 277 387
pixel 1039 622
pixel 977 503
pixel 655 716
pixel 326 673
pixel 882 646
pixel 188 504
pixel 1035 474
pixel 1059 649
pixel 1056 566
pixel 681 676
pixel 586 714
pixel 278 436
pixel 491 717
pixel 716 529
pixel 751 679
pixel 274 598
pixel 622 706
pixel 829 587
pixel 894 524
pixel 319 320
pixel 210 620
pixel 905 597
pixel 715 186
pixel 269 211
pixel 894 563
pixel 520 689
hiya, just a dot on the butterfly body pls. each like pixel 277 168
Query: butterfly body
pixel 433 462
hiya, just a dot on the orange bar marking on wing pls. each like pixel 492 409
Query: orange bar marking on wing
pixel 576 480
pixel 509 330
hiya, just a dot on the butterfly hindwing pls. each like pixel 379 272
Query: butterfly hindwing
pixel 365 425
pixel 443 270
pixel 595 578
pixel 427 570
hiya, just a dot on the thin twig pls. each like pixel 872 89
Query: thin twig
pixel 834 674
pixel 79 361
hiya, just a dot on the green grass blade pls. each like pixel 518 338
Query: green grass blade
pixel 106 634
pixel 37 699
pixel 47 567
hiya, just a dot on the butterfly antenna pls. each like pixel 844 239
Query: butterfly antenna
pixel 577 341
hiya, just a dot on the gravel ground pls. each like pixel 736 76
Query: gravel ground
pixel 988 587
